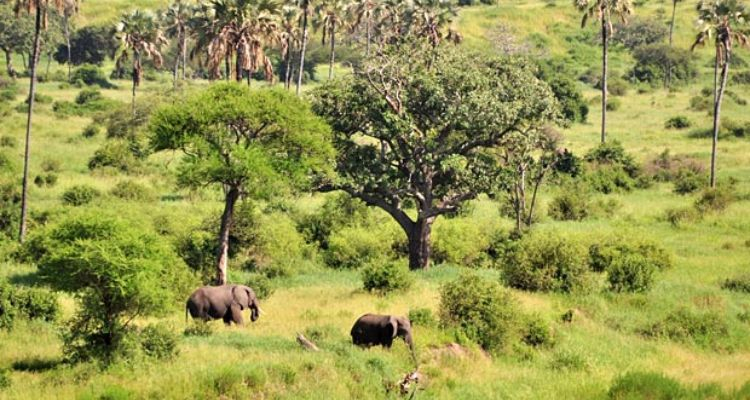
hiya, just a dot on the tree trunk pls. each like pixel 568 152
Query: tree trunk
pixel 238 66
pixel 419 243
pixel 304 47
pixel 9 64
pixel 27 150
pixel 66 32
pixel 369 34
pixel 333 51
pixel 226 224
pixel 184 53
pixel 136 75
pixel 177 63
pixel 288 72
pixel 605 45
pixel 227 67
pixel 49 62
pixel 717 114
pixel 671 24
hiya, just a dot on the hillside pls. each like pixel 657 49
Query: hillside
pixel 610 334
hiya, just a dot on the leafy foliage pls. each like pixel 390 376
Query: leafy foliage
pixel 653 63
pixel 79 195
pixel 386 277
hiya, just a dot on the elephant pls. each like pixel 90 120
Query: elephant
pixel 380 330
pixel 225 302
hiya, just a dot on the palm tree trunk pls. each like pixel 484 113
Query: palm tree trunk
pixel 9 63
pixel 49 62
pixel 369 34
pixel 184 53
pixel 605 45
pixel 301 71
pixel 717 114
pixel 66 32
pixel 288 72
pixel 27 150
pixel 136 75
pixel 226 223
pixel 671 24
pixel 177 64
pixel 333 51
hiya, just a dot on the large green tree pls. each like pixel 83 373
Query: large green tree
pixel 723 22
pixel 415 128
pixel 251 143
pixel 604 11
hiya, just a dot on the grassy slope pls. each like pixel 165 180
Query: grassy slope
pixel 602 337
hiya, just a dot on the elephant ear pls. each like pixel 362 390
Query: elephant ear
pixel 393 322
pixel 240 296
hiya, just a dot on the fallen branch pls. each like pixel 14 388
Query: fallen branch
pixel 405 384
pixel 306 343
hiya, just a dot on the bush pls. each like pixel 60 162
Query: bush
pixel 37 304
pixel 352 247
pixel 459 241
pixel 715 199
pixel 337 212
pixel 422 317
pixel 570 205
pixel 741 78
pixel 654 62
pixel 640 32
pixel 545 263
pixel 679 216
pixel 603 255
pixel 617 87
pixel 645 385
pixel 666 167
pixel 630 273
pixel 569 164
pixel 7 311
pixel 738 284
pixel 157 341
pixel 199 328
pixel 261 285
pixel 90 131
pixel 387 277
pixel 8 141
pixel 609 179
pixel 271 242
pixel 198 250
pixel 613 153
pixel 688 182
pixel 480 309
pixel 79 195
pixel 700 103
pixel 45 180
pixel 678 122
pixel 116 154
pixel 572 103
pixel 91 75
pixel 704 328
pixel 88 95
pixel 132 191
pixel 613 104
pixel 536 332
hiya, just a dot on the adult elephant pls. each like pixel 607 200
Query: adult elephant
pixel 226 302
pixel 380 330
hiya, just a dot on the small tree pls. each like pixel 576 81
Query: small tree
pixel 251 143
pixel 414 128
pixel 117 271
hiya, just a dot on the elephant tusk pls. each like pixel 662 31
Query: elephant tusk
pixel 260 311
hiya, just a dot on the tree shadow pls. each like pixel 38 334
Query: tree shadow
pixel 25 279
pixel 36 364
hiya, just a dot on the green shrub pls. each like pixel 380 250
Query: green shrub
pixel 5 380
pixel 570 205
pixel 37 304
pixel 422 317
pixel 737 284
pixel 617 87
pixel 700 103
pixel 655 62
pixel 741 78
pixel 603 255
pixel 459 241
pixel 678 122
pixel 116 154
pixel 640 32
pixel 91 130
pixel 536 332
pixel 7 311
pixel 271 242
pixel 630 273
pixel 568 164
pixel 609 179
pixel 645 385
pixel 198 249
pixel 354 246
pixel 688 182
pixel 568 361
pixel 261 285
pixel 91 75
pixel 613 104
pixel 8 141
pixel 715 199
pixel 45 180
pixel 158 341
pixel 703 328
pixel 79 195
pixel 199 328
pixel 132 191
pixel 40 98
pixel 613 153
pixel 480 309
pixel 337 212
pixel 682 215
pixel 546 262
pixel 386 277
pixel 88 95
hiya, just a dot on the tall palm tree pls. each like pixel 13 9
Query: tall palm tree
pixel 671 24
pixel 40 8
pixel 176 22
pixel 604 11
pixel 724 21
pixel 331 16
pixel 140 35
pixel 429 19
pixel 70 9
pixel 244 28
pixel 304 5
pixel 364 13
pixel 289 36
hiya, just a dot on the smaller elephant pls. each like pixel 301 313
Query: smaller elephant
pixel 223 302
pixel 380 330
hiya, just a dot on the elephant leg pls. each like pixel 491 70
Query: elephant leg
pixel 236 313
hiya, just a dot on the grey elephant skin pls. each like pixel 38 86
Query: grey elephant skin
pixel 223 302
pixel 380 330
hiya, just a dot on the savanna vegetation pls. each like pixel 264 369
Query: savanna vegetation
pixel 553 193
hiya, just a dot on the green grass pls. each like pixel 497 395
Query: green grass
pixel 262 360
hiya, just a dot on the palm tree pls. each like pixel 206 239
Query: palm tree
pixel 722 20
pixel 175 20
pixel 671 24
pixel 70 9
pixel 331 16
pixel 428 19
pixel 140 34
pixel 243 28
pixel 363 13
pixel 604 11
pixel 305 7
pixel 40 8
pixel 289 37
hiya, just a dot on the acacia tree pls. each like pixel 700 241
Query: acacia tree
pixel 604 11
pixel 140 34
pixel 722 20
pixel 439 114
pixel 252 144
pixel 40 9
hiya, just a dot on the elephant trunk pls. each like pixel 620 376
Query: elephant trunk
pixel 254 311
pixel 410 342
